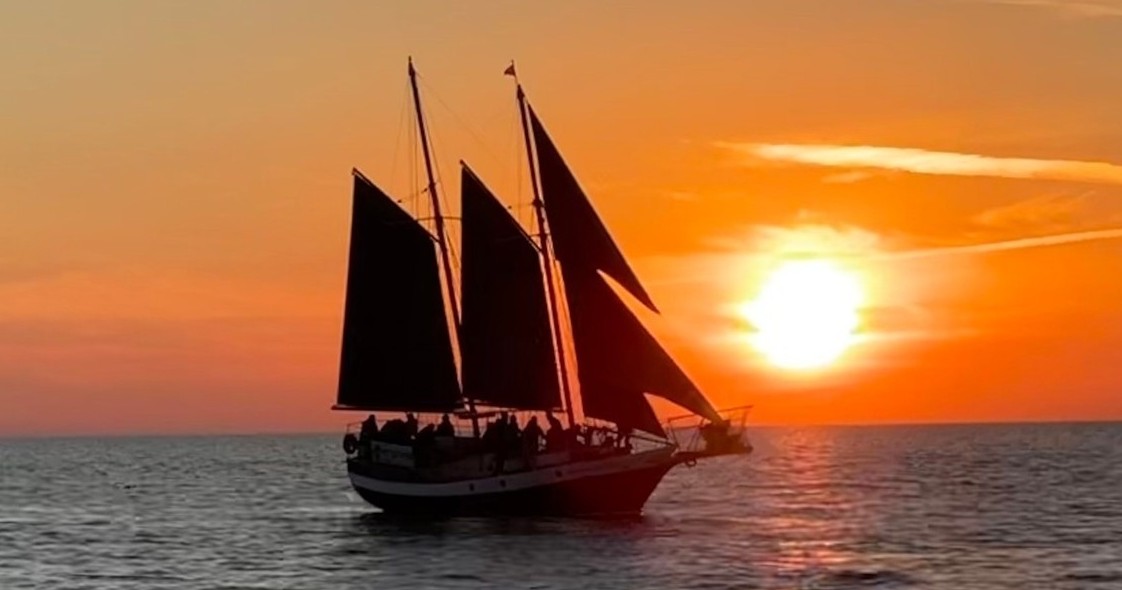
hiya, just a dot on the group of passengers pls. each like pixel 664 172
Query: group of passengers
pixel 503 437
pixel 405 432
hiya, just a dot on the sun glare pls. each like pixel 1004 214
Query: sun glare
pixel 806 314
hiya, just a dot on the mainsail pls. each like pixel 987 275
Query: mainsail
pixel 505 341
pixel 397 350
pixel 578 234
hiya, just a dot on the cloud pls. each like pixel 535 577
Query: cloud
pixel 848 177
pixel 747 257
pixel 920 161
pixel 1048 213
pixel 1006 245
pixel 1075 8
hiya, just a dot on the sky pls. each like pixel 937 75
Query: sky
pixel 175 192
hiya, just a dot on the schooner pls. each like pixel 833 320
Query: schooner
pixel 515 288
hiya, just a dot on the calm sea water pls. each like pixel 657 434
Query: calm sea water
pixel 955 507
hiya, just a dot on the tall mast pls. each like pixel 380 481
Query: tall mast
pixel 539 211
pixel 441 236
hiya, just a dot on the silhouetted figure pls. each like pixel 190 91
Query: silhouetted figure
pixel 573 436
pixel 625 438
pixel 366 435
pixel 369 428
pixel 555 437
pixel 718 438
pixel 512 436
pixel 494 440
pixel 445 428
pixel 532 436
pixel 395 431
pixel 502 435
pixel 411 424
pixel 424 446
pixel 490 435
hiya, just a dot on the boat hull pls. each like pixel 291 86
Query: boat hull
pixel 610 486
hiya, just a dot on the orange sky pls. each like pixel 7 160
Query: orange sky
pixel 174 191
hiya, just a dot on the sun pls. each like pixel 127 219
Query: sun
pixel 806 314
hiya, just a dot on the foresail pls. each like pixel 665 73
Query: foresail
pixel 505 340
pixel 579 237
pixel 397 350
pixel 618 360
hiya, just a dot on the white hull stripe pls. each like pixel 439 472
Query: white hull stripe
pixel 517 481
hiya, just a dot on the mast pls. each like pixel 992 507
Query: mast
pixel 441 236
pixel 551 291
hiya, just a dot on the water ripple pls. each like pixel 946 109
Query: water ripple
pixel 962 508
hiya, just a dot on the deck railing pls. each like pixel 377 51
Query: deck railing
pixel 685 431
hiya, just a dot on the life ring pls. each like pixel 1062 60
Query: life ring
pixel 350 443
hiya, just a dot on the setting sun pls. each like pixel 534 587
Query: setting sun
pixel 806 314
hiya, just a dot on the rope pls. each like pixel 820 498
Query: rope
pixel 401 122
pixel 460 120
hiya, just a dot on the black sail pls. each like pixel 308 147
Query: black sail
pixel 618 360
pixel 579 236
pixel 505 340
pixel 397 350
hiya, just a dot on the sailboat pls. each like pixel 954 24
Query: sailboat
pixel 514 352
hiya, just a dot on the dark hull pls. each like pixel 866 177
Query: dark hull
pixel 619 493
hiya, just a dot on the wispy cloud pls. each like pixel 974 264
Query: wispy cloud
pixel 1002 246
pixel 1076 8
pixel 848 177
pixel 1045 213
pixel 920 161
pixel 748 256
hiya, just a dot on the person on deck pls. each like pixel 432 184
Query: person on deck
pixel 513 434
pixel 445 428
pixel 395 431
pixel 367 433
pixel 555 436
pixel 495 441
pixel 490 435
pixel 572 436
pixel 531 439
pixel 369 428
pixel 717 436
pixel 411 424
pixel 625 437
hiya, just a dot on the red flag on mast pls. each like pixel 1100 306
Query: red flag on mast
pixel 509 71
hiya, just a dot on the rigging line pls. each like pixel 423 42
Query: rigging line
pixel 570 361
pixel 414 167
pixel 450 245
pixel 438 171
pixel 397 141
pixel 438 178
pixel 514 147
pixel 463 122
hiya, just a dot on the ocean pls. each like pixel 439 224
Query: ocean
pixel 941 507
